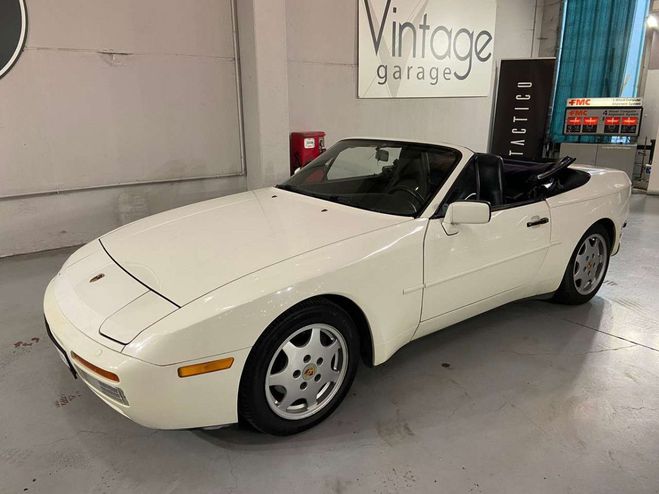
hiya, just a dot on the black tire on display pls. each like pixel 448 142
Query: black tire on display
pixel 300 369
pixel 587 268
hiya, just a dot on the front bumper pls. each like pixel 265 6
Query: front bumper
pixel 154 395
pixel 618 242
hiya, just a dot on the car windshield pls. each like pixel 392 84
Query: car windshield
pixel 385 176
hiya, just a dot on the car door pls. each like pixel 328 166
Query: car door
pixel 483 260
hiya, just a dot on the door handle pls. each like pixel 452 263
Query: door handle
pixel 541 221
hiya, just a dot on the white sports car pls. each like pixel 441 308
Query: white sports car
pixel 259 305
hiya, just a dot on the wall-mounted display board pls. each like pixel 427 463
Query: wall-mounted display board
pixel 603 116
pixel 119 104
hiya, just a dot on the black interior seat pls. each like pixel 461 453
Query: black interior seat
pixel 518 174
pixel 490 179
pixel 411 172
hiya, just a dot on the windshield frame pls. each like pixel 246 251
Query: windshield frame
pixel 459 155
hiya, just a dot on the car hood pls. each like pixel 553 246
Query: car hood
pixel 185 253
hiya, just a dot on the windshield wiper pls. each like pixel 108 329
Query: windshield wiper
pixel 290 188
pixel 299 190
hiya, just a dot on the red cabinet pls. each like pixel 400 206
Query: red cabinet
pixel 305 146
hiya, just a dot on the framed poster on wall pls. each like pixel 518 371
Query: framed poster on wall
pixel 427 49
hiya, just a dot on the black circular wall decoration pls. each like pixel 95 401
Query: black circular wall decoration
pixel 13 29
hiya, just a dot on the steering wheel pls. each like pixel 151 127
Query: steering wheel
pixel 560 165
pixel 417 197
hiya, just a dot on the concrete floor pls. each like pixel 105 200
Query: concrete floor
pixel 530 398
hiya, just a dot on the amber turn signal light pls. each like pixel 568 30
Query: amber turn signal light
pixel 101 372
pixel 206 367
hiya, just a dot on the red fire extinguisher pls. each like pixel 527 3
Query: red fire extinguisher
pixel 305 146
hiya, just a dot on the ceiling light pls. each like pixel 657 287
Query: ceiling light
pixel 653 22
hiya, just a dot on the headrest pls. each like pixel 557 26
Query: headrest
pixel 489 161
pixel 407 154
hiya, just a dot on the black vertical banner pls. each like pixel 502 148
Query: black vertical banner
pixel 523 99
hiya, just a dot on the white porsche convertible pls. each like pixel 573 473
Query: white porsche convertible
pixel 259 305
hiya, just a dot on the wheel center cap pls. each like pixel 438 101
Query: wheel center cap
pixel 309 371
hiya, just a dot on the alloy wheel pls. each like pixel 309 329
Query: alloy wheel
pixel 306 371
pixel 590 263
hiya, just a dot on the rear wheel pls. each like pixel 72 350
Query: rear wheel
pixel 587 268
pixel 300 369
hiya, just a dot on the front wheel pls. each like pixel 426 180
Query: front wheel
pixel 300 369
pixel 587 268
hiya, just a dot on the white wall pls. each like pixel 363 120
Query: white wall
pixel 262 30
pixel 108 93
pixel 650 123
pixel 650 126
pixel 653 185
pixel 322 75
pixel 550 28
pixel 117 92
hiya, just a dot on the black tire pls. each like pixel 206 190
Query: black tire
pixel 253 404
pixel 567 292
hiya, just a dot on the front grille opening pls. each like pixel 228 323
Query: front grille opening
pixel 112 392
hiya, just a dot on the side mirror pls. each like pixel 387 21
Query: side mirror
pixel 466 213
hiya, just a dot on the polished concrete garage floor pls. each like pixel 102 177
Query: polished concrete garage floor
pixel 532 397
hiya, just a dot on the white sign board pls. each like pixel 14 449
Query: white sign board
pixel 425 49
